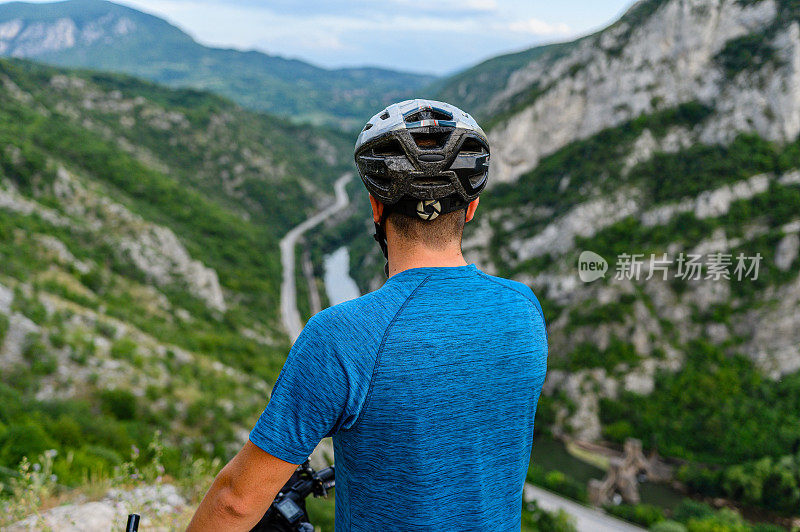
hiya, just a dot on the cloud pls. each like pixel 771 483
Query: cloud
pixel 416 35
pixel 534 26
pixel 446 8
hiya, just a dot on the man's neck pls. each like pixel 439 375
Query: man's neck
pixel 405 258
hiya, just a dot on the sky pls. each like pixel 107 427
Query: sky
pixel 435 36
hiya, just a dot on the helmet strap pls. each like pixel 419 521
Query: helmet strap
pixel 380 237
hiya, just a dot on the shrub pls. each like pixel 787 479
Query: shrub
pixel 545 414
pixel 58 339
pixel 4 325
pixel 701 479
pixel 643 514
pixel 725 520
pixel 67 431
pixel 748 52
pixel 83 347
pixel 27 438
pixel 668 526
pixel 690 509
pixel 29 307
pixel 121 404
pixel 608 313
pixel 672 176
pixel 36 353
pixel 534 519
pixel 106 329
pixel 108 455
pixel 124 349
pixel 619 431
pixel 93 280
pixel 587 355
pixel 558 482
pixel 77 467
pixel 766 527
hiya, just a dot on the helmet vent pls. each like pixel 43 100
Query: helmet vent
pixel 472 146
pixel 430 141
pixel 385 115
pixel 388 148
pixel 476 180
pixel 428 114
pixel 431 181
pixel 368 126
pixel 379 179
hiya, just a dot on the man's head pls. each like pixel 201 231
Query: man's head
pixel 424 162
pixel 442 232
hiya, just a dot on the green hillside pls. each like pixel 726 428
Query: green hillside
pixel 139 265
pixel 115 38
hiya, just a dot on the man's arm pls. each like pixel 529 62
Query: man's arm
pixel 242 491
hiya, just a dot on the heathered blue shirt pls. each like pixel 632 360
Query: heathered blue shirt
pixel 429 388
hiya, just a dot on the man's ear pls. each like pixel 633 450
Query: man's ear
pixel 473 206
pixel 377 209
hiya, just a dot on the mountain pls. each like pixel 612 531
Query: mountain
pixel 673 131
pixel 104 36
pixel 139 266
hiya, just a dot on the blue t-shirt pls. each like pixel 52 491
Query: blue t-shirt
pixel 429 388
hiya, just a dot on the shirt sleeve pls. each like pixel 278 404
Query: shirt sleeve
pixel 309 399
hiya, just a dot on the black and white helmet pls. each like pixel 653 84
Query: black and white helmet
pixel 423 156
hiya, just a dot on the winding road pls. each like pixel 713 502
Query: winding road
pixel 586 519
pixel 289 313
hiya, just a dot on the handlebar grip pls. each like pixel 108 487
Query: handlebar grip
pixel 133 523
pixel 326 474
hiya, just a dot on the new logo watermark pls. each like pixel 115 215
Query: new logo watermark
pixel 591 266
pixel 687 266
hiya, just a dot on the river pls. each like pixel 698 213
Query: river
pixel 339 286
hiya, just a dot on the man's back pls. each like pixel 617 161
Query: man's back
pixel 429 388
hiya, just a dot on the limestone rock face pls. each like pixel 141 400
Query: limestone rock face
pixel 625 71
pixel 19 38
pixel 787 251
pixel 774 333
pixel 19 329
pixel 583 220
pixel 154 249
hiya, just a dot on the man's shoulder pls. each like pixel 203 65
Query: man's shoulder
pixel 362 319
pixel 521 288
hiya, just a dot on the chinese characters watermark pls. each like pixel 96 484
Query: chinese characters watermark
pixel 685 266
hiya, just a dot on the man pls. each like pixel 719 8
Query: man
pixel 428 385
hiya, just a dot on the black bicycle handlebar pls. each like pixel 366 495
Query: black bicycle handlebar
pixel 287 513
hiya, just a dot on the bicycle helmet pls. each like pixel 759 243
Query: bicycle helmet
pixel 421 158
